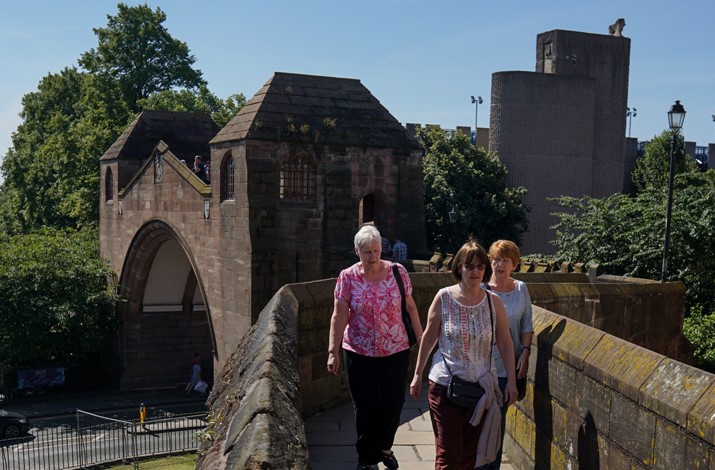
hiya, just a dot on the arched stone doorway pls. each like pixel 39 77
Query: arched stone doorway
pixel 164 318
pixel 373 209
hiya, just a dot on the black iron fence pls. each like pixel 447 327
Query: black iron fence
pixel 97 439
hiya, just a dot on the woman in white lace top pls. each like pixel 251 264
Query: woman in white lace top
pixel 465 320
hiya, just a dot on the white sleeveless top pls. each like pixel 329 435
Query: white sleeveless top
pixel 465 340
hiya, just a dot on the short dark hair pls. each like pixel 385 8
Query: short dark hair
pixel 469 252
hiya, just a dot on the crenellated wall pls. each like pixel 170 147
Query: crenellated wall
pixel 593 400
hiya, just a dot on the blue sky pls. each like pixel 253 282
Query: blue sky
pixel 422 59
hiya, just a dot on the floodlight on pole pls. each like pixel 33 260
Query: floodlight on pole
pixel 631 113
pixel 476 101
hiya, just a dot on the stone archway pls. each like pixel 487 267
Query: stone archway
pixel 374 209
pixel 164 318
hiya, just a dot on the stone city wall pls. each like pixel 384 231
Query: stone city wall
pixel 591 397
pixel 597 401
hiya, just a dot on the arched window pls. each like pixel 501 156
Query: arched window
pixel 228 172
pixel 108 185
pixel 297 180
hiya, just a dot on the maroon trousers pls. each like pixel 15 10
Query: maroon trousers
pixel 455 439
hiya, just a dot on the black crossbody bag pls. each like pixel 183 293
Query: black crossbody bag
pixel 461 392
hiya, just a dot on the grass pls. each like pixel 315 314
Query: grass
pixel 174 462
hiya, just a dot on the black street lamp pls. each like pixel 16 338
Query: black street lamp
pixel 476 101
pixel 630 113
pixel 676 116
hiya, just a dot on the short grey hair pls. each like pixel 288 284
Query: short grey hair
pixel 366 235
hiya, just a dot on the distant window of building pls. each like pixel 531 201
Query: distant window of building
pixel 108 185
pixel 228 178
pixel 297 180
pixel 548 58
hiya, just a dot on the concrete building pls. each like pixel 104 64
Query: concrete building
pixel 561 129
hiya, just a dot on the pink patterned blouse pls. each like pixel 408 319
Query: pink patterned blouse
pixel 375 326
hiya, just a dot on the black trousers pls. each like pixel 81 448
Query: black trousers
pixel 377 386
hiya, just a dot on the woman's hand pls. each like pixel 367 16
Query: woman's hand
pixel 333 363
pixel 416 386
pixel 522 364
pixel 510 393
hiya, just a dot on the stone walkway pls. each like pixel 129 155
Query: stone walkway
pixel 331 438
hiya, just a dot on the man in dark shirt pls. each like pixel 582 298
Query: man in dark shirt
pixel 200 169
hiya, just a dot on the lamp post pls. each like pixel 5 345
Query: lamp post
pixel 631 113
pixel 676 116
pixel 476 101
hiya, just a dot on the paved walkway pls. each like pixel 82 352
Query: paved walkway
pixel 331 438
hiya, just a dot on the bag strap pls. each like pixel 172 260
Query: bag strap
pixel 398 279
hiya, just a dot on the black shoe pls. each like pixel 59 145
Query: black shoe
pixel 367 466
pixel 389 461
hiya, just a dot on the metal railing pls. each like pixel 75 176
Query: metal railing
pixel 111 440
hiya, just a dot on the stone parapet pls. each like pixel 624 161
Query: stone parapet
pixel 592 398
pixel 597 401
pixel 255 419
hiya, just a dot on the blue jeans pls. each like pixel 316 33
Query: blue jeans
pixel 497 462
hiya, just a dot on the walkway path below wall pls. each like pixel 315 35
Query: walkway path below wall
pixel 331 438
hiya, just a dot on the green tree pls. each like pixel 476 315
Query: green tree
pixel 698 328
pixel 44 154
pixel 221 111
pixel 625 235
pixel 653 169
pixel 58 298
pixel 137 55
pixel 51 174
pixel 471 181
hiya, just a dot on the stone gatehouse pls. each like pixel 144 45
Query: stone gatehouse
pixel 292 177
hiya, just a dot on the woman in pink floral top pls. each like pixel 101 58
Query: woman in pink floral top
pixel 367 322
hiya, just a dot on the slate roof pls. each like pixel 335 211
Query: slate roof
pixel 187 134
pixel 308 108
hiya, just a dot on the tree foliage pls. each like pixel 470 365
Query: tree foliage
pixel 653 169
pixel 57 298
pixel 51 173
pixel 699 328
pixel 625 235
pixel 137 55
pixel 471 181
pixel 221 111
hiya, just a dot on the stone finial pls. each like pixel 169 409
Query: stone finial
pixel 617 28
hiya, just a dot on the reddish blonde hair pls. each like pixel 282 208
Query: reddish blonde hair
pixel 505 249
